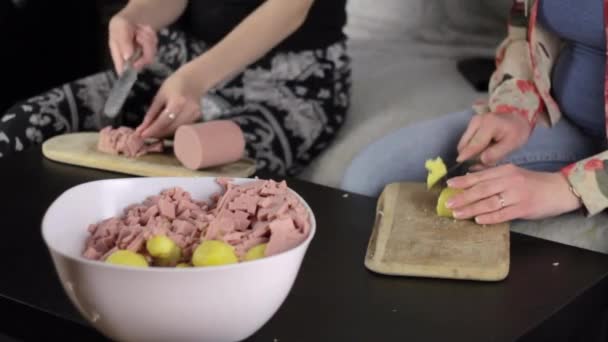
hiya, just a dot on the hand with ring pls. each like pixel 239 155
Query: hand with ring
pixel 507 192
pixel 176 103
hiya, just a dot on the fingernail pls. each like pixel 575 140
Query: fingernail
pixel 449 204
pixel 477 220
pixel 457 214
pixel 450 183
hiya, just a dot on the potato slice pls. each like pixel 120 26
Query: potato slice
pixel 436 169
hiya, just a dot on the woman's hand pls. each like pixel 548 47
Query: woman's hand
pixel 176 103
pixel 493 136
pixel 505 193
pixel 124 35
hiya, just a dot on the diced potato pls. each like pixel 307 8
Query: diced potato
pixel 437 169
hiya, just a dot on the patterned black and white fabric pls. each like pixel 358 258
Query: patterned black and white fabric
pixel 290 105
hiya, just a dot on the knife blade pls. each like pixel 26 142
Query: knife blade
pixel 121 89
pixel 453 170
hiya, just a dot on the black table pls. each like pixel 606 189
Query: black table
pixel 334 298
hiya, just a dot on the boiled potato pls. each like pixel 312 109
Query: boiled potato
pixel 256 252
pixel 127 258
pixel 444 196
pixel 214 253
pixel 164 251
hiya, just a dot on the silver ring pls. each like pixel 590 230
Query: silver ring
pixel 171 116
pixel 501 200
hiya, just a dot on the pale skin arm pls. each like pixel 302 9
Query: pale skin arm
pixel 503 193
pixel 258 33
pixel 271 23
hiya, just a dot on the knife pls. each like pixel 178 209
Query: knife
pixel 453 170
pixel 120 91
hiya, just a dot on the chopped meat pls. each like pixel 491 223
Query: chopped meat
pixel 243 216
pixel 124 141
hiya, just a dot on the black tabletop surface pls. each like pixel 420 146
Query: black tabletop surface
pixel 553 291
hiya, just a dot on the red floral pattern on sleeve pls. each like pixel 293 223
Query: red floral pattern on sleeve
pixel 594 164
pixel 567 171
pixel 508 109
pixel 526 86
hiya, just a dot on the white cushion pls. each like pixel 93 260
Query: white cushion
pixel 385 19
pixel 439 21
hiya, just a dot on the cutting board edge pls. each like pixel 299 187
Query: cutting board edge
pixel 440 272
pixel 383 216
pixel 386 203
pixel 66 158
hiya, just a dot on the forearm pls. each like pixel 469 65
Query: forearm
pixel 512 88
pixel 256 35
pixel 512 55
pixel 155 13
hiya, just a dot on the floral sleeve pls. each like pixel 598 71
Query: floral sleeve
pixel 589 178
pixel 512 88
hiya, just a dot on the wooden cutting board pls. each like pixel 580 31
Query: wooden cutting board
pixel 81 149
pixel 409 239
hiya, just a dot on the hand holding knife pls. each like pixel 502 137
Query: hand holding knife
pixel 456 170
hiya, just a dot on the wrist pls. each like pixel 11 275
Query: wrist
pixel 193 78
pixel 200 71
pixel 517 113
pixel 570 199
pixel 523 126
pixel 130 13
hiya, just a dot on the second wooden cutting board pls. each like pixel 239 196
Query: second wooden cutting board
pixel 81 149
pixel 409 239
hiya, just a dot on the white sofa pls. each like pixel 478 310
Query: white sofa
pixel 404 54
pixel 404 70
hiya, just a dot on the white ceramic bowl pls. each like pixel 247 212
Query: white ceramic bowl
pixel 223 303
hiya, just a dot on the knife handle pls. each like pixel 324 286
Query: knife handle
pixel 463 165
pixel 135 56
